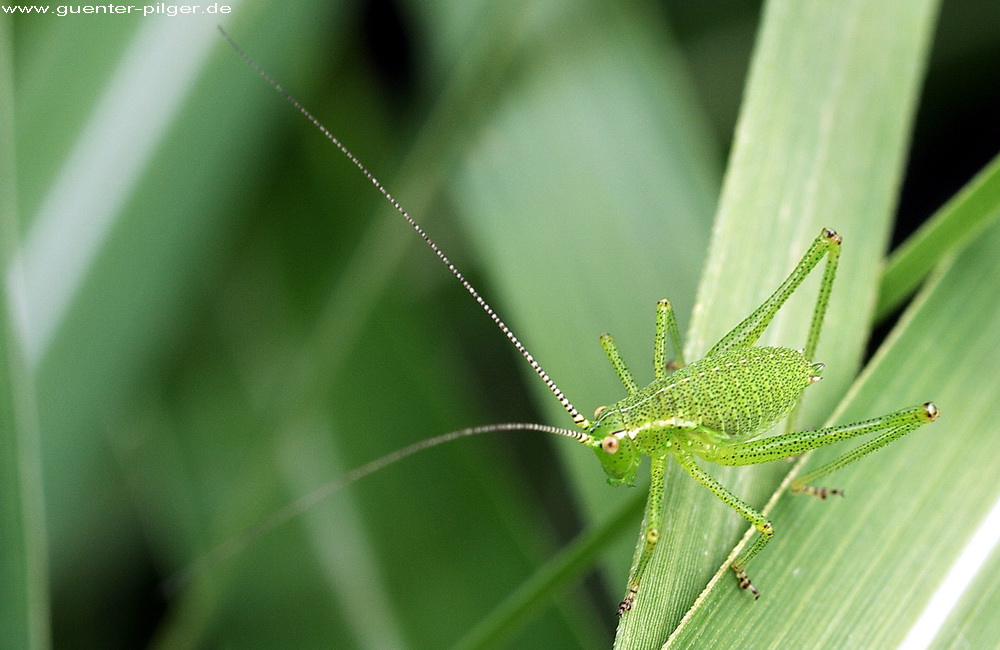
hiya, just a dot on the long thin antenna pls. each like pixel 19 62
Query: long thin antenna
pixel 234 544
pixel 578 419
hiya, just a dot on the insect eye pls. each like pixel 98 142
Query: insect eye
pixel 609 444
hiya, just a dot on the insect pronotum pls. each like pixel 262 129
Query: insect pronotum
pixel 715 409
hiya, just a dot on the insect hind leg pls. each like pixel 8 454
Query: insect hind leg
pixel 896 426
pixel 827 244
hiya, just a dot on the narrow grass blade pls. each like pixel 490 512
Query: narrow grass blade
pixel 24 606
pixel 959 221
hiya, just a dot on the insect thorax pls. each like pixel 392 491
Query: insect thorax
pixel 736 395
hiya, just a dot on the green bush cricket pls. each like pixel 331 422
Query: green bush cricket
pixel 715 409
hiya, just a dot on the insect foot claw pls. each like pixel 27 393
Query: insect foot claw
pixel 626 604
pixel 820 493
pixel 745 583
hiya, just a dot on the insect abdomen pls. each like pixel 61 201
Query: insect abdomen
pixel 739 394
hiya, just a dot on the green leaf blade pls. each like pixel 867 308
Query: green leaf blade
pixel 24 579
pixel 963 218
